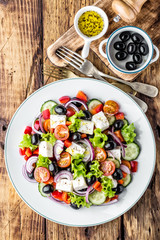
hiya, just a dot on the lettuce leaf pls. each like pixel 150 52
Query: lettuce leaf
pixel 75 121
pixel 107 186
pixel 48 137
pixel 79 201
pixel 128 133
pixel 94 170
pixel 99 138
pixel 43 161
pixel 27 143
pixel 78 166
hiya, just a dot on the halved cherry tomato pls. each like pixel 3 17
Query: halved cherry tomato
pixel 100 154
pixel 36 125
pixel 65 160
pixel 97 109
pixel 134 166
pixel 28 152
pixel 36 152
pixel 81 95
pixel 119 135
pixel 67 143
pixel 108 167
pixel 70 112
pixel 46 114
pixel 61 132
pixel 28 130
pixel 64 99
pixel 41 174
pixel 22 151
pixel 126 163
pixel 50 181
pixel 97 186
pixel 111 107
pixel 46 125
pixel 83 135
pixel 57 195
pixel 119 116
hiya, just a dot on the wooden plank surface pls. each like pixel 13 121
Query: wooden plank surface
pixel 27 28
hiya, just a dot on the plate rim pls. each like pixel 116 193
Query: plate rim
pixel 63 223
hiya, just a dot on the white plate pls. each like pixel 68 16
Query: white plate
pixel 64 214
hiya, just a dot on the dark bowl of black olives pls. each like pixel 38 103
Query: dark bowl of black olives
pixel 129 49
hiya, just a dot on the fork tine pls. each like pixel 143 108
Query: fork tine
pixel 72 55
pixel 78 55
pixel 70 62
pixel 71 59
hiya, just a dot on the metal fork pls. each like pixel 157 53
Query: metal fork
pixel 87 68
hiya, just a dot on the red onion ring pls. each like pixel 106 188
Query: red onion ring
pixel 91 148
pixel 87 193
pixel 41 124
pixel 125 169
pixel 63 174
pixel 29 164
pixel 24 172
pixel 118 141
pixel 83 194
pixel 87 157
pixel 36 131
pixel 74 107
pixel 76 100
pixel 58 146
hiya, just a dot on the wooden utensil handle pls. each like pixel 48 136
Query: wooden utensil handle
pixel 136 4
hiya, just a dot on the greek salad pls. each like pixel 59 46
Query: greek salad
pixel 80 151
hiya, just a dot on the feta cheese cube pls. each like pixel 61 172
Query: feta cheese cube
pixel 100 121
pixel 116 153
pixel 56 120
pixel 75 149
pixel 79 183
pixel 86 127
pixel 64 185
pixel 45 149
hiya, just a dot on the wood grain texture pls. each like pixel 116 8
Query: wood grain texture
pixel 27 28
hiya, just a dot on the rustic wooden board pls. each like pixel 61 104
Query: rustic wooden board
pixel 24 38
pixel 73 41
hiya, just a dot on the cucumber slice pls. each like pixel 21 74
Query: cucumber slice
pixel 115 161
pixel 40 187
pixel 48 105
pixel 111 120
pixel 97 198
pixel 131 151
pixel 127 180
pixel 126 123
pixel 52 110
pixel 93 103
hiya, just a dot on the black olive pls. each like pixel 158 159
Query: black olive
pixel 48 188
pixel 118 124
pixel 117 174
pixel 35 139
pixel 131 48
pixel 74 206
pixel 53 168
pixel 131 66
pixel 77 103
pixel 83 190
pixel 75 136
pixel 87 114
pixel 137 58
pixel 91 180
pixel 110 145
pixel 125 36
pixel 137 38
pixel 110 138
pixel 90 136
pixel 119 189
pixel 99 179
pixel 89 166
pixel 119 45
pixel 31 175
pixel 60 109
pixel 143 49
pixel 121 55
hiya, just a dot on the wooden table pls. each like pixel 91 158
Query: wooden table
pixel 27 28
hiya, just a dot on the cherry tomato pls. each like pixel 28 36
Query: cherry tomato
pixel 28 130
pixel 70 112
pixel 41 174
pixel 50 181
pixel 46 125
pixel 57 195
pixel 100 154
pixel 61 132
pixel 108 167
pixel 65 160
pixel 82 96
pixel 46 114
pixel 97 109
pixel 64 99
pixel 111 107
